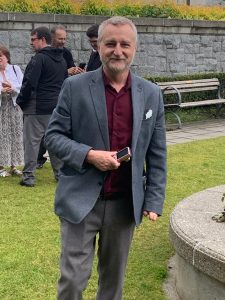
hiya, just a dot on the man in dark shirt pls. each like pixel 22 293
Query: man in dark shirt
pixel 94 60
pixel 99 113
pixel 58 34
pixel 38 97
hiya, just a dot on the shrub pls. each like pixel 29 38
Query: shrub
pixel 139 8
pixel 56 7
pixel 91 7
pixel 155 11
pixel 126 10
pixel 17 6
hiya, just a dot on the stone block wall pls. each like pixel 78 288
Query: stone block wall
pixel 166 47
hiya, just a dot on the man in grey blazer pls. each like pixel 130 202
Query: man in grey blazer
pixel 99 113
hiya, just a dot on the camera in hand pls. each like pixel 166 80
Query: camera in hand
pixel 123 155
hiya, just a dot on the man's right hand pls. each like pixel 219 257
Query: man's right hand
pixel 102 160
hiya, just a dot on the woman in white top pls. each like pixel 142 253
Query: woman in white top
pixel 11 117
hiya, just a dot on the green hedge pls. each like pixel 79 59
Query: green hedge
pixel 153 9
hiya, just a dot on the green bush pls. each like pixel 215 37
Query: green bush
pixel 126 10
pixel 90 7
pixel 17 6
pixel 152 11
pixel 56 7
pixel 162 9
pixel 155 11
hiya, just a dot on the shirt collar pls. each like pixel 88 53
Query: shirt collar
pixel 107 82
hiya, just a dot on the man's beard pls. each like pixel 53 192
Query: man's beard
pixel 116 68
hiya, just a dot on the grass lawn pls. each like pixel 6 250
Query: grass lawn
pixel 29 231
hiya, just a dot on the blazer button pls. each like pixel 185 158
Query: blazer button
pixel 100 183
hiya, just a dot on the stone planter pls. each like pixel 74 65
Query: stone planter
pixel 200 246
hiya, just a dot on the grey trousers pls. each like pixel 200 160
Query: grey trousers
pixel 114 222
pixel 34 128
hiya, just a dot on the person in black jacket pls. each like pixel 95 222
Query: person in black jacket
pixel 38 97
pixel 94 60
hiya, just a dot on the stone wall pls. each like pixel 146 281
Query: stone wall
pixel 166 47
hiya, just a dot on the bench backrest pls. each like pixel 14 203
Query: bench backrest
pixel 188 86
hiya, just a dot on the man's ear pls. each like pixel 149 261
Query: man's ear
pixel 44 43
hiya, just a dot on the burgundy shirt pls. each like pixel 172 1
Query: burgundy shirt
pixel 120 124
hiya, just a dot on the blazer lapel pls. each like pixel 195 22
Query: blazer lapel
pixel 98 97
pixel 138 110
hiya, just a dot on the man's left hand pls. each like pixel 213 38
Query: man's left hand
pixel 151 215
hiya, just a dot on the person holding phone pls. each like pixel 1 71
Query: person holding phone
pixel 101 190
pixel 11 116
pixel 59 36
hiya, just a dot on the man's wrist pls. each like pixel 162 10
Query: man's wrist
pixel 89 156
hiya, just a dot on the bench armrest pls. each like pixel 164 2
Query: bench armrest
pixel 177 92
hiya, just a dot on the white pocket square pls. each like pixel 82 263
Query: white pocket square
pixel 148 114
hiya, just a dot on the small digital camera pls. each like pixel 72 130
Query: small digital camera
pixel 123 155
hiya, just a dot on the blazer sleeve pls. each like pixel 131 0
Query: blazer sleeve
pixel 156 164
pixel 59 135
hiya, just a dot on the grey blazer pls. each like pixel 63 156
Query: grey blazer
pixel 79 123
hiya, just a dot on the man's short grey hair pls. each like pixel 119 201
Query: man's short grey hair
pixel 57 27
pixel 117 20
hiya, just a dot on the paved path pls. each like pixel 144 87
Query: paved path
pixel 196 131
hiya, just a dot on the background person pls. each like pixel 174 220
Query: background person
pixel 11 116
pixel 94 60
pixel 38 97
pixel 58 34
pixel 97 194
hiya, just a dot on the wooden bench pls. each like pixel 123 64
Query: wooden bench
pixel 189 86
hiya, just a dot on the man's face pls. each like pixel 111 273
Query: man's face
pixel 59 39
pixel 117 48
pixel 93 42
pixel 36 43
